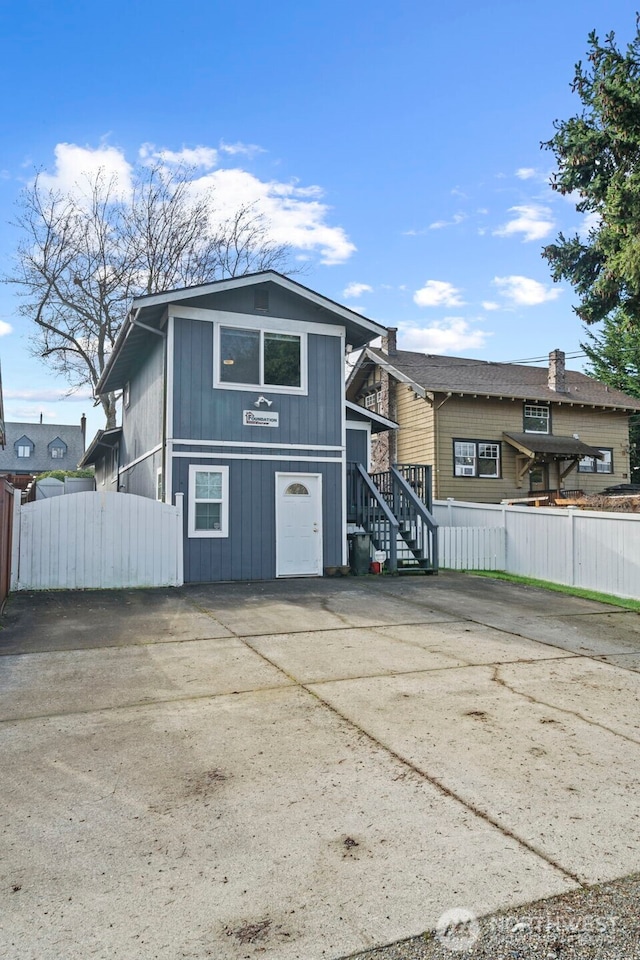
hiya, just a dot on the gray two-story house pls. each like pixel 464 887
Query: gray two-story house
pixel 233 395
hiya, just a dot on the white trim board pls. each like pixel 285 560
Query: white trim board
pixel 259 446
pixel 255 321
pixel 255 456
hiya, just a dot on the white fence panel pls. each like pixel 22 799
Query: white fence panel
pixel 471 548
pixel 583 548
pixel 100 540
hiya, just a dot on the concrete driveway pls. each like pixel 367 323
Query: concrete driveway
pixel 306 769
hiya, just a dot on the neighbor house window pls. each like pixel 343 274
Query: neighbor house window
pixel 57 453
pixel 159 485
pixel 208 501
pixel 476 458
pixel 536 418
pixel 372 401
pixel 24 450
pixel 260 358
pixel 593 465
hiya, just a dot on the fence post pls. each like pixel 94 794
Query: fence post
pixel 15 541
pixel 571 515
pixel 180 543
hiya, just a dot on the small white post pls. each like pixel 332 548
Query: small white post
pixel 571 514
pixel 180 543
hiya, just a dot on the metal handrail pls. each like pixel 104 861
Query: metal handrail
pixel 375 516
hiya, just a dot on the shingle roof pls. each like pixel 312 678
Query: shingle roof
pixel 485 378
pixel 551 446
pixel 41 435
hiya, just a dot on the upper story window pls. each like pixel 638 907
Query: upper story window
pixel 594 465
pixel 57 449
pixel 248 359
pixel 536 418
pixel 24 447
pixel 372 401
pixel 126 395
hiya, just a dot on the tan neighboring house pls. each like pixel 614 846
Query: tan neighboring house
pixel 493 431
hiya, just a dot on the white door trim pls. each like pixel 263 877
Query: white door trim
pixel 301 476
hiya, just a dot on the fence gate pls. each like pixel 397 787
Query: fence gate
pixel 100 540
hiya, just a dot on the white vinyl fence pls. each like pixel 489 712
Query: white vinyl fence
pixel 582 548
pixel 101 540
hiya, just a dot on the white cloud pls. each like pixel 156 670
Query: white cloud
pixel 532 220
pixel 197 157
pixel 248 149
pixel 525 292
pixel 590 222
pixel 356 290
pixel 5 328
pixel 438 293
pixel 455 220
pixel 449 335
pixel 490 305
pixel 525 173
pixel 46 396
pixel 29 411
pixel 295 214
pixel 74 164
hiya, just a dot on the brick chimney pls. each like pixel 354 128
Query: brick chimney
pixel 557 380
pixel 389 342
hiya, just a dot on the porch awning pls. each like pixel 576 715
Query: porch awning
pixel 95 450
pixel 377 421
pixel 547 447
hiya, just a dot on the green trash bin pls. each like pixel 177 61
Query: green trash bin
pixel 360 554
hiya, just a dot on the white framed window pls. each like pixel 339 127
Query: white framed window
pixel 159 485
pixel 114 458
pixel 24 450
pixel 372 401
pixel 57 453
pixel 250 359
pixel 536 418
pixel 208 512
pixel 476 458
pixel 126 395
pixel 594 465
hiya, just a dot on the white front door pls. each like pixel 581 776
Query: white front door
pixel 298 524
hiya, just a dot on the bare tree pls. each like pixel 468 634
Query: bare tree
pixel 83 255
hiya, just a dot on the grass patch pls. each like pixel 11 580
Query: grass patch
pixel 558 588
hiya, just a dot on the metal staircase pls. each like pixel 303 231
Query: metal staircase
pixel 393 507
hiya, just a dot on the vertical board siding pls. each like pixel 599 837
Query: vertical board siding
pixel 249 552
pixel 98 540
pixel 142 420
pixel 582 548
pixel 202 413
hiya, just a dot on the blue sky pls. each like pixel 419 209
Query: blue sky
pixel 395 146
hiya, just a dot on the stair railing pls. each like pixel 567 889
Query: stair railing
pixel 374 515
pixel 416 523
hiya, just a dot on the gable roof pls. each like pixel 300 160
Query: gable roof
pixel 482 378
pixel 147 314
pixel 41 435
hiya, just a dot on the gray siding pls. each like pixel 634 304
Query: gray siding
pixel 143 419
pixel 141 479
pixel 357 449
pixel 202 413
pixel 249 553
